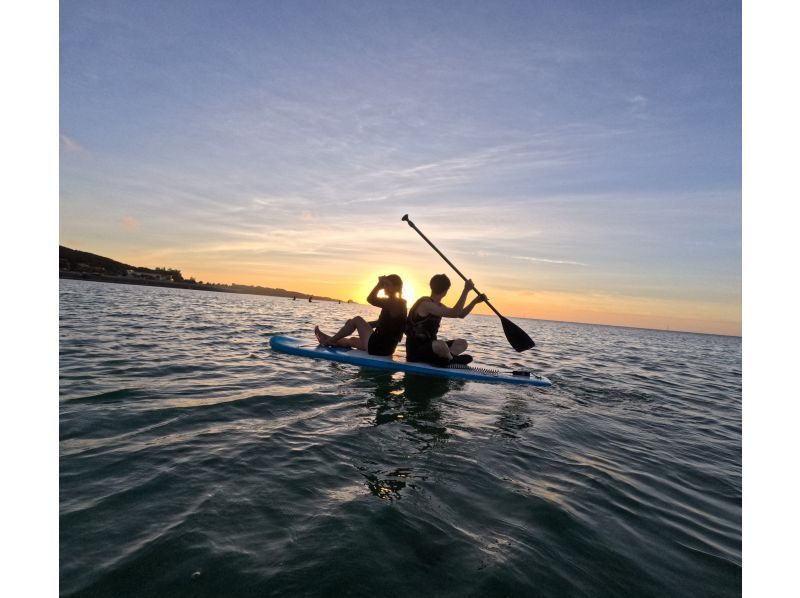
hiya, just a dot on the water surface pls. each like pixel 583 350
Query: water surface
pixel 194 461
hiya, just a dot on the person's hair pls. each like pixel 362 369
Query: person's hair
pixel 396 282
pixel 440 284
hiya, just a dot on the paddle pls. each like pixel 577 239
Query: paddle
pixel 517 337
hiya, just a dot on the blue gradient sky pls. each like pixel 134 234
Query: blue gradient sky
pixel 580 161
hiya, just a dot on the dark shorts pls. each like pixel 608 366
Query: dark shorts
pixel 380 345
pixel 423 352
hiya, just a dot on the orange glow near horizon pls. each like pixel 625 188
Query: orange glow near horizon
pixel 608 309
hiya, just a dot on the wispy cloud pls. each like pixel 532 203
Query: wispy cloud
pixel 129 223
pixel 638 105
pixel 69 144
pixel 547 261
pixel 495 255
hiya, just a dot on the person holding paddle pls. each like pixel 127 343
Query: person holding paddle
pixel 379 337
pixel 422 326
pixel 515 335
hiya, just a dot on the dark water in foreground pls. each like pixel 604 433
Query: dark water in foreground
pixel 196 462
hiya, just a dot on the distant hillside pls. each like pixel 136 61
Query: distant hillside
pixel 73 260
pixel 89 266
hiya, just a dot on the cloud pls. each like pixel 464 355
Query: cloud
pixel 70 144
pixel 489 254
pixel 638 105
pixel 547 261
pixel 130 223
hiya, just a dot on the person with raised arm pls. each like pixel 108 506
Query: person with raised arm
pixel 379 337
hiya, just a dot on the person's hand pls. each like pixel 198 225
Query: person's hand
pixel 469 285
pixel 482 298
pixel 382 281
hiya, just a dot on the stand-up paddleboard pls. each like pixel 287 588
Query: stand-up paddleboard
pixel 293 346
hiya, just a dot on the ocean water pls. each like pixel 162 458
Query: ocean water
pixel 194 461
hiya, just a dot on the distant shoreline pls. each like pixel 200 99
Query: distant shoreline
pixel 288 294
pixel 190 286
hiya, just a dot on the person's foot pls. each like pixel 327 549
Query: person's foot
pixel 462 359
pixel 322 338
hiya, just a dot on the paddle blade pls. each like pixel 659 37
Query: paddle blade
pixel 516 336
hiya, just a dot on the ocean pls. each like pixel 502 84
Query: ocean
pixel 195 461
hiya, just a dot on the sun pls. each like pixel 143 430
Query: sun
pixel 408 293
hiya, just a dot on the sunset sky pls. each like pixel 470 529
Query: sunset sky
pixel 580 161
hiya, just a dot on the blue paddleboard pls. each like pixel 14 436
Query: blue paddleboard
pixel 293 346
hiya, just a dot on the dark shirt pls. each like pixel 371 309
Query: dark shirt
pixel 390 327
pixel 421 329
pixel 420 334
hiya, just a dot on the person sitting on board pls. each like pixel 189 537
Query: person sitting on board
pixel 422 325
pixel 381 336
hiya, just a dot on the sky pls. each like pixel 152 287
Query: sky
pixel 580 161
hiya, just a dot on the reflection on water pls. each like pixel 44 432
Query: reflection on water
pixel 408 400
pixel 389 487
pixel 514 417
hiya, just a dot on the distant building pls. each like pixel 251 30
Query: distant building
pixel 149 276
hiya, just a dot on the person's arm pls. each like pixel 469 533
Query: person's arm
pixel 459 306
pixel 479 299
pixel 458 310
pixel 437 309
pixel 373 298
pixel 429 308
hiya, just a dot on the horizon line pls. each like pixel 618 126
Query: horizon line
pixel 739 336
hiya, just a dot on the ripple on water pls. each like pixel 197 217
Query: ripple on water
pixel 194 461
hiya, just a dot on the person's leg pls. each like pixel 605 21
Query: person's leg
pixel 457 346
pixel 339 339
pixel 440 349
pixel 350 341
pixel 346 330
pixel 364 332
pixel 457 355
pixel 325 339
pixel 322 338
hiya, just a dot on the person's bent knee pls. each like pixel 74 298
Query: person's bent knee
pixel 358 320
pixel 441 349
pixel 458 346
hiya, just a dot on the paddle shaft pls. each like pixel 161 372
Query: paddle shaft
pixel 444 257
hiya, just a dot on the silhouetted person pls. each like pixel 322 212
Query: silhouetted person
pixel 422 327
pixel 388 328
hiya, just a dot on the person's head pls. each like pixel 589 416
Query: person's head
pixel 393 285
pixel 440 284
